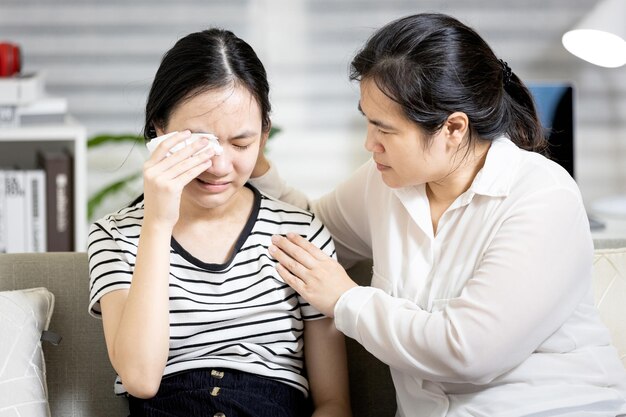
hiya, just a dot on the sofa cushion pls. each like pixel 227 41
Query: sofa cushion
pixel 24 315
pixel 609 285
pixel 79 375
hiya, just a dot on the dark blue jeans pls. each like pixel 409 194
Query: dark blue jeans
pixel 222 393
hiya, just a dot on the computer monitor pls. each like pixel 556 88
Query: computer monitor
pixel 555 105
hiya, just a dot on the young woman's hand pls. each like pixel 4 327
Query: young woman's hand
pixel 317 277
pixel 164 177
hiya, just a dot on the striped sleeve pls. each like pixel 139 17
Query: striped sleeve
pixel 111 248
pixel 320 237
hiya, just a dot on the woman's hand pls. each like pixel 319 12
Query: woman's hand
pixel 262 164
pixel 164 177
pixel 318 278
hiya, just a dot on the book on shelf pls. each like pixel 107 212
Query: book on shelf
pixel 3 214
pixel 46 110
pixel 8 117
pixel 58 168
pixel 15 204
pixel 23 102
pixel 35 210
pixel 21 89
pixel 22 212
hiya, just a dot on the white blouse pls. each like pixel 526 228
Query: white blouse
pixel 493 315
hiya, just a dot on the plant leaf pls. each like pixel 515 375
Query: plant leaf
pixel 106 138
pixel 96 199
pixel 274 131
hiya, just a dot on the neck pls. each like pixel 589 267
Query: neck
pixel 459 180
pixel 211 234
pixel 192 213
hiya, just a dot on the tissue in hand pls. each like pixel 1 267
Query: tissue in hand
pixel 213 143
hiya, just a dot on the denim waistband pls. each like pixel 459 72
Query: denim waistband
pixel 207 378
pixel 221 392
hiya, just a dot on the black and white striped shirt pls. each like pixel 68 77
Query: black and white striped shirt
pixel 239 315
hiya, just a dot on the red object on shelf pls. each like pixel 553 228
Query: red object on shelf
pixel 10 59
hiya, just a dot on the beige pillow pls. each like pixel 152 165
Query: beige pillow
pixel 24 315
pixel 609 285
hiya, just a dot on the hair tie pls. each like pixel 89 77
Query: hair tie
pixel 506 72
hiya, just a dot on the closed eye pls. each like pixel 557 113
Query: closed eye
pixel 241 144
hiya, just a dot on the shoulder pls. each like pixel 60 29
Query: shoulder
pixel 124 223
pixel 509 169
pixel 543 187
pixel 272 207
pixel 362 188
pixel 283 218
pixel 286 217
pixel 538 172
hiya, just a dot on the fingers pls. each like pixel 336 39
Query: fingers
pixel 296 248
pixel 183 165
pixel 184 171
pixel 162 150
pixel 262 165
pixel 291 280
pixel 321 284
pixel 200 164
pixel 167 162
pixel 285 261
pixel 313 250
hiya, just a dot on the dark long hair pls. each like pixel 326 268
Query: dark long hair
pixel 200 62
pixel 432 65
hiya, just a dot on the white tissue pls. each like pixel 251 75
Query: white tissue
pixel 213 143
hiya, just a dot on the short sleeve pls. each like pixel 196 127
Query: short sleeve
pixel 320 237
pixel 111 264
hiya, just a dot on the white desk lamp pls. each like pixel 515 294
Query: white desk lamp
pixel 600 38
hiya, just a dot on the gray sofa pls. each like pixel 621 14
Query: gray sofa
pixel 79 375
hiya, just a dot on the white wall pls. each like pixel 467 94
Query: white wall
pixel 102 57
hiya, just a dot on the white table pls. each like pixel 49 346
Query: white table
pixel 612 235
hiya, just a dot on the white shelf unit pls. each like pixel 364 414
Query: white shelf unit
pixel 19 146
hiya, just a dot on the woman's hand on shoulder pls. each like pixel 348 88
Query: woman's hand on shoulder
pixel 317 277
pixel 262 164
pixel 165 175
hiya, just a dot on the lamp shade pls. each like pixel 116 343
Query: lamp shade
pixel 600 38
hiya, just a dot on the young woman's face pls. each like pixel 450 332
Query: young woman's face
pixel 398 144
pixel 234 116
